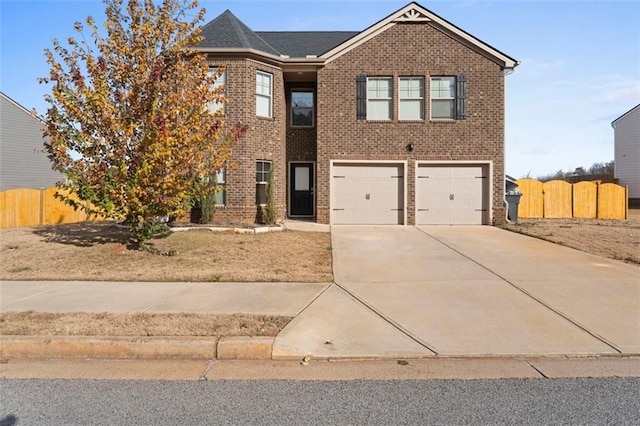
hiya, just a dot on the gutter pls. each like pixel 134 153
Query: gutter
pixel 279 59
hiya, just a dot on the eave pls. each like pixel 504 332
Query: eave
pixel 614 122
pixel 277 60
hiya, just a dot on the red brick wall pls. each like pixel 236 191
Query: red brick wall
pixel 265 140
pixel 410 50
pixel 301 141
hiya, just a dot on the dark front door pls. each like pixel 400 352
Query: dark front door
pixel 301 197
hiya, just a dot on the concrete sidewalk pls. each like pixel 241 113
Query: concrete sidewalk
pixel 286 299
pixel 283 299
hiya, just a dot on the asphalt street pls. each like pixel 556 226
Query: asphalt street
pixel 529 401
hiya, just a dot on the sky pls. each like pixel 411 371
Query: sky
pixel 579 71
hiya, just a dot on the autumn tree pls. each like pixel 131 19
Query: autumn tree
pixel 132 121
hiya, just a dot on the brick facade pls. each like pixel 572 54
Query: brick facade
pixel 265 140
pixel 408 47
pixel 410 50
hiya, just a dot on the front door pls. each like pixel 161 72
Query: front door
pixel 301 194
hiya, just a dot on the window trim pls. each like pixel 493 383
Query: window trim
pixel 421 98
pixel 269 97
pixel 389 100
pixel 265 175
pixel 451 99
pixel 220 105
pixel 312 108
pixel 221 184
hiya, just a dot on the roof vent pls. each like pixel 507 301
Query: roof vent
pixel 312 56
pixel 413 15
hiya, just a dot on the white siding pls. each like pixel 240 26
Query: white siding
pixel 22 162
pixel 627 151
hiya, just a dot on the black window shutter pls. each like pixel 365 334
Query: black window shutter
pixel 361 96
pixel 461 97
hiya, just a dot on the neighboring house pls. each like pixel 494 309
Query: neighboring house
pixel 626 160
pixel 402 123
pixel 22 161
pixel 510 184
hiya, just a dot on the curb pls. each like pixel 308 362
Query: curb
pixel 96 347
pixel 199 348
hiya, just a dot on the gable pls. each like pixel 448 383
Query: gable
pixel 632 115
pixel 408 49
pixel 23 164
pixel 414 13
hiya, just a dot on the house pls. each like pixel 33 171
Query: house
pixel 401 123
pixel 626 160
pixel 510 184
pixel 22 161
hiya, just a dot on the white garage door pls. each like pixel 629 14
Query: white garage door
pixel 367 194
pixel 451 195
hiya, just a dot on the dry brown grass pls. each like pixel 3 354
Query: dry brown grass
pixel 615 239
pixel 142 324
pixel 97 252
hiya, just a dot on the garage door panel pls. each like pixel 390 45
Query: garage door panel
pixel 451 194
pixel 467 172
pixel 367 194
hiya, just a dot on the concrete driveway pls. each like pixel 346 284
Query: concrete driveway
pixel 465 291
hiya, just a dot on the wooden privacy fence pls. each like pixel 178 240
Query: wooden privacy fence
pixel 560 199
pixel 33 207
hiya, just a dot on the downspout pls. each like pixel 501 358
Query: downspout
pixel 505 73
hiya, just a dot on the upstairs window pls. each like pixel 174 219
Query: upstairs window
pixel 262 180
pixel 264 94
pixel 443 95
pixel 448 98
pixel 411 98
pixel 301 109
pixel 221 85
pixel 379 98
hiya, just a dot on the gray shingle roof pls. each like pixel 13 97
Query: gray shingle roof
pixel 227 31
pixel 298 44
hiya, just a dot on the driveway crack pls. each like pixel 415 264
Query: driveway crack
pixel 389 320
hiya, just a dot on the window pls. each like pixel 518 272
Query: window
pixel 448 98
pixel 219 84
pixel 443 93
pixel 411 98
pixel 263 94
pixel 221 187
pixel 262 179
pixel 379 98
pixel 302 109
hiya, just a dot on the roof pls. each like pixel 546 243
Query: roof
pixel 301 44
pixel 227 33
pixel 613 123
pixel 17 105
